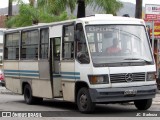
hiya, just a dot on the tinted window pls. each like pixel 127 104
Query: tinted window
pixel 29 46
pixel 12 46
pixel 44 36
pixel 68 42
pixel 81 46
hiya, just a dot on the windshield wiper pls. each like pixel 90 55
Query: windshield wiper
pixel 138 59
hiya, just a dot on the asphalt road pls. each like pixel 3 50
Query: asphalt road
pixel 65 110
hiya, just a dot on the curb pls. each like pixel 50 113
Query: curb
pixel 7 92
pixel 158 92
pixel 132 103
pixel 3 90
pixel 156 102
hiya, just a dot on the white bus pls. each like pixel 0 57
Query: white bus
pixel 70 60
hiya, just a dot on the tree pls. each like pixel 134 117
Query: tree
pixel 108 6
pixel 54 10
pixel 28 15
pixel 57 6
pixel 10 8
pixel 81 9
pixel 31 2
pixel 138 10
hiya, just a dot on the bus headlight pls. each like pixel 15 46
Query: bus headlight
pixel 151 76
pixel 98 79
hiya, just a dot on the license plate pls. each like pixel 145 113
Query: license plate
pixel 130 92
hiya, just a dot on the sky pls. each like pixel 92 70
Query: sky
pixel 4 3
pixel 144 1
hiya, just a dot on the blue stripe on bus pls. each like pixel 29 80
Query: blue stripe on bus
pixel 37 75
pixel 11 71
pixel 33 75
pixel 56 75
pixel 34 71
pixel 27 71
pixel 17 74
pixel 71 77
pixel 71 73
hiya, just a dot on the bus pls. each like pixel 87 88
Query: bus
pixel 69 61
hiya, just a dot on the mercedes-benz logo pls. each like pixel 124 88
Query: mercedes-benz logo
pixel 129 77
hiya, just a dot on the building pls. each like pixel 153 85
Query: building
pixel 2 21
pixel 1 47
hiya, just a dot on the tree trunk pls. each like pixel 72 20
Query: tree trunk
pixel 138 10
pixel 81 9
pixel 31 2
pixel 10 8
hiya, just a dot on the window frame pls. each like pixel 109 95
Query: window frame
pixel 13 46
pixel 21 45
pixel 40 44
pixel 71 42
pixel 80 42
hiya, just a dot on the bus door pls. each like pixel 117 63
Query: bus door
pixel 55 73
pixel 68 62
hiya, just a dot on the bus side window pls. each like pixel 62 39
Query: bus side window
pixel 44 39
pixel 81 46
pixel 11 49
pixel 29 48
pixel 68 42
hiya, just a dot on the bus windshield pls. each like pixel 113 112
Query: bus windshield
pixel 118 44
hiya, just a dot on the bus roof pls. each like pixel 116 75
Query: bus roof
pixel 110 19
pixel 96 19
pixel 2 29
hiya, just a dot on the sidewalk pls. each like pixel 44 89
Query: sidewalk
pixel 3 90
pixel 158 91
pixel 156 100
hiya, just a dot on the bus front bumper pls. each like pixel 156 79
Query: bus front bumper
pixel 123 94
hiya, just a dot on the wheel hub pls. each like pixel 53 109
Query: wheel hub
pixel 83 100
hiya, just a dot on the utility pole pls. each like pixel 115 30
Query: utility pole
pixel 138 10
pixel 9 7
pixel 81 9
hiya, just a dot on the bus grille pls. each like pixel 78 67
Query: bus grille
pixel 124 77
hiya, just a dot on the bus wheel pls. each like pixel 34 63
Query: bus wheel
pixel 29 99
pixel 143 104
pixel 84 103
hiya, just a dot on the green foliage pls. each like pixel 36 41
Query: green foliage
pixel 106 6
pixel 54 10
pixel 57 6
pixel 28 14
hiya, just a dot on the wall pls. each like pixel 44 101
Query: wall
pixel 2 21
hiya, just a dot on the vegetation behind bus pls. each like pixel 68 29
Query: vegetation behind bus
pixel 55 10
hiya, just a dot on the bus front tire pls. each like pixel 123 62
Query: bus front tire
pixel 143 104
pixel 84 102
